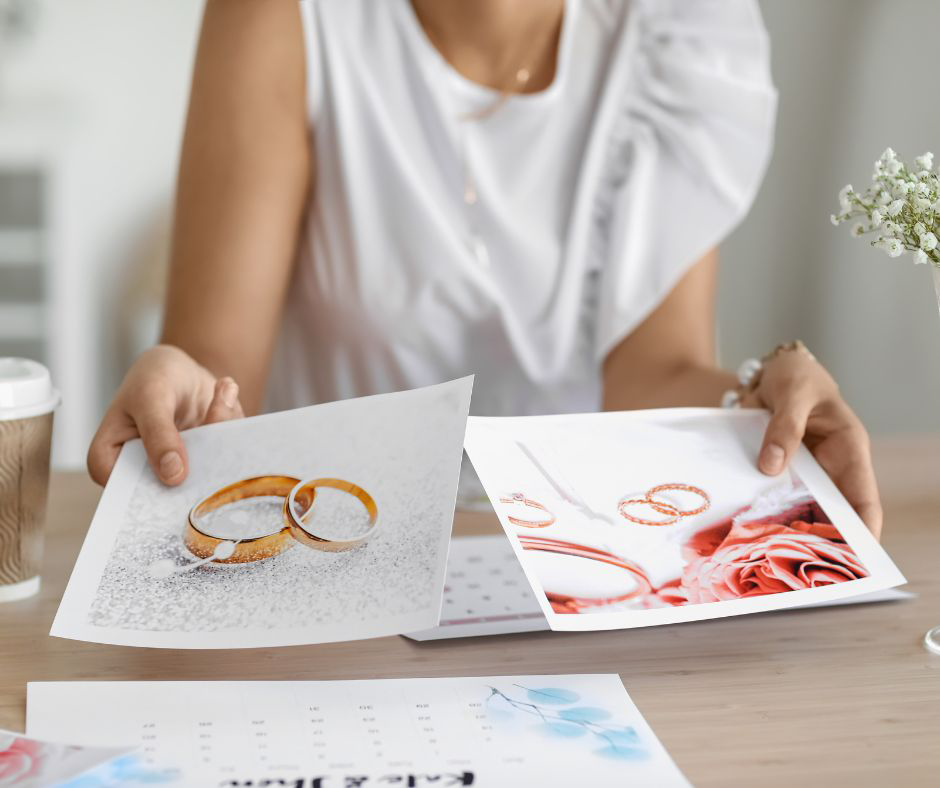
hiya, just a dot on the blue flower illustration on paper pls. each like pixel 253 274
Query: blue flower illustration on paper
pixel 552 695
pixel 564 730
pixel 584 714
pixel 560 717
pixel 128 770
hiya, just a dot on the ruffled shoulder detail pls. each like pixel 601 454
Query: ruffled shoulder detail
pixel 689 139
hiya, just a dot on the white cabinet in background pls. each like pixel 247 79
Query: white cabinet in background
pixel 40 286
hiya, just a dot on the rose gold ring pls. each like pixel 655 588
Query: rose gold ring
pixel 656 504
pixel 203 545
pixel 519 498
pixel 660 506
pixel 299 506
pixel 568 604
pixel 672 512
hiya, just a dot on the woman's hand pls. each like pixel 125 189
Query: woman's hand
pixel 245 173
pixel 668 361
pixel 806 406
pixel 165 391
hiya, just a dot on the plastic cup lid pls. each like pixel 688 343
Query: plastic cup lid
pixel 25 389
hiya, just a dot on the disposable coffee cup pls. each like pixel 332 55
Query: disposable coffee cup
pixel 27 401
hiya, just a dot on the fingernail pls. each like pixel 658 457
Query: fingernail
pixel 171 466
pixel 772 459
pixel 230 393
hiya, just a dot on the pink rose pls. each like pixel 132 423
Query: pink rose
pixel 20 759
pixel 766 557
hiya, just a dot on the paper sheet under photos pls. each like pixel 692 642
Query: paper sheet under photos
pixel 486 731
pixel 27 762
pixel 137 583
pixel 654 517
pixel 486 593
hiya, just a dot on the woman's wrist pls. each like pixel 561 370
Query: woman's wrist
pixel 751 370
pixel 678 386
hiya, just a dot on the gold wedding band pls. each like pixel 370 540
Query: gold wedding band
pixel 201 544
pixel 300 502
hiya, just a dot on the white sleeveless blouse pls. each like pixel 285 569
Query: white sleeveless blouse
pixel 589 199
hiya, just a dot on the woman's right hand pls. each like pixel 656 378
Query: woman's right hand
pixel 165 391
pixel 241 202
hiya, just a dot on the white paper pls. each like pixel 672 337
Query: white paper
pixel 30 762
pixel 486 593
pixel 581 468
pixel 404 449
pixel 486 731
pixel 872 597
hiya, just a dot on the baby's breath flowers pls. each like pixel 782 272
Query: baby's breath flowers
pixel 902 205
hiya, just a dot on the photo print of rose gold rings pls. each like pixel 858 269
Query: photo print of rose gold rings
pixel 519 500
pixel 295 501
pixel 634 508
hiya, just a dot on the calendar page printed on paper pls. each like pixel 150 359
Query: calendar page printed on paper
pixel 549 730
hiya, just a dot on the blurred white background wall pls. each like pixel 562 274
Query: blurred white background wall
pixel 854 77
pixel 114 75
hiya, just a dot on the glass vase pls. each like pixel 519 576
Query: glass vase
pixel 935 269
pixel 932 638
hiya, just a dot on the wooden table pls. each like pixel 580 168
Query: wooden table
pixel 838 696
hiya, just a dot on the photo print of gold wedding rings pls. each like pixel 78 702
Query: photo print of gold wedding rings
pixel 299 503
pixel 666 511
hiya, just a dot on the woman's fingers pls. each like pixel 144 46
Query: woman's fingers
pixel 165 450
pixel 225 404
pixel 153 422
pixel 106 445
pixel 857 482
pixel 785 431
pixel 806 407
pixel 872 516
pixel 843 450
pixel 164 391
pixel 153 419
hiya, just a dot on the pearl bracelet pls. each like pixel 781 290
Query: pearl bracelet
pixel 750 371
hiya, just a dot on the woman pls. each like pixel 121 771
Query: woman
pixel 381 195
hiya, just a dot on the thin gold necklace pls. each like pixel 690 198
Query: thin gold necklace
pixel 523 75
pixel 471 194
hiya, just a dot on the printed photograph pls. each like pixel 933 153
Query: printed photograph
pixel 28 762
pixel 323 523
pixel 655 517
pixel 783 541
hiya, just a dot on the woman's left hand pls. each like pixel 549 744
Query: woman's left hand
pixel 806 406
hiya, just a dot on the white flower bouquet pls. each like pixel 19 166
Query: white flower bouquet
pixel 902 205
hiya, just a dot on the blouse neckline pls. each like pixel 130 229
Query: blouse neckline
pixel 477 92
